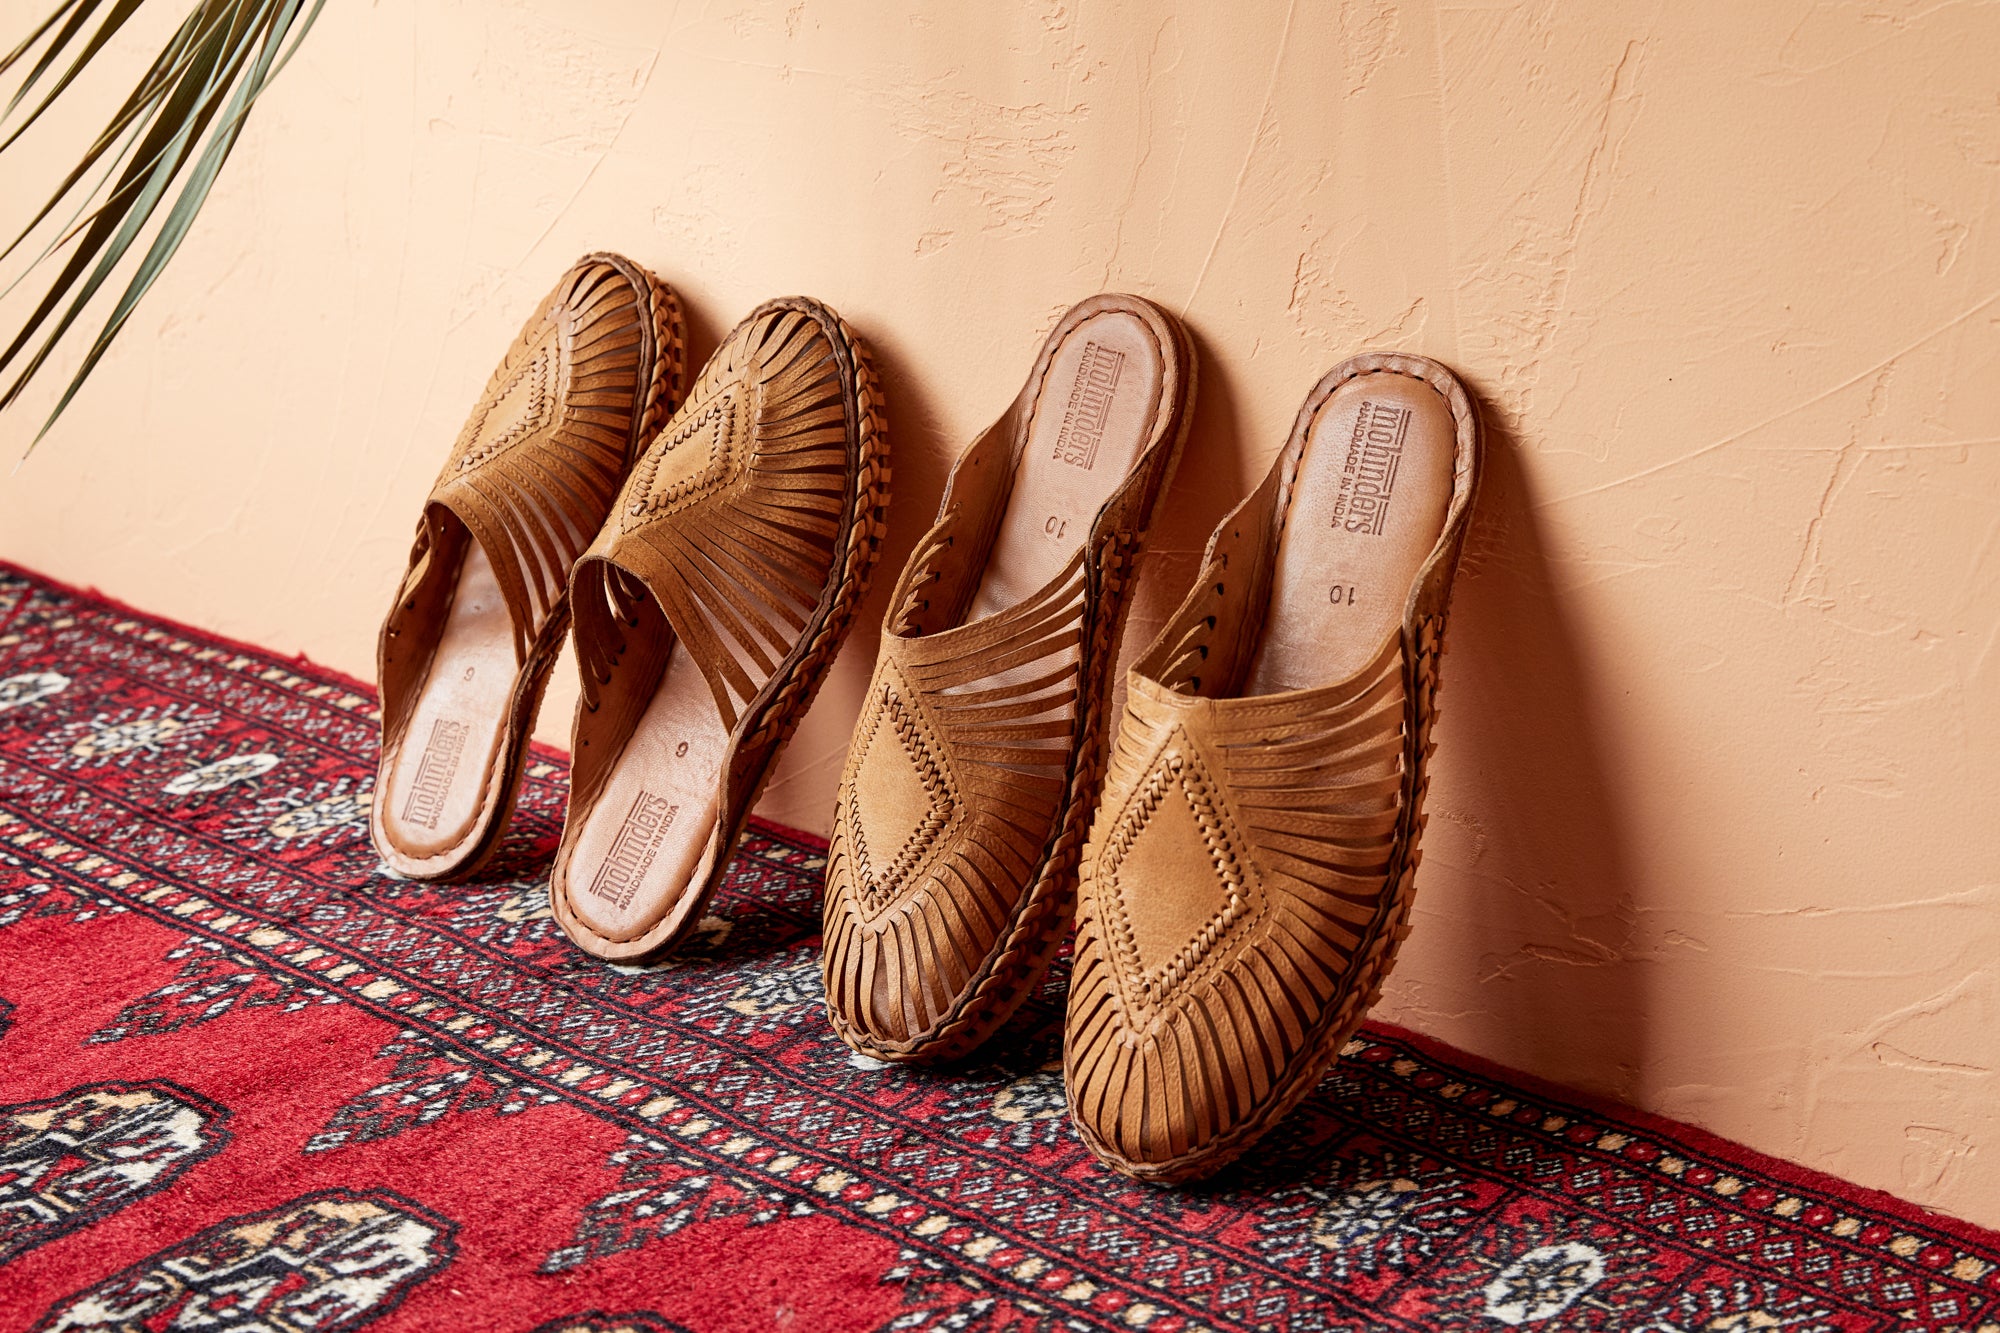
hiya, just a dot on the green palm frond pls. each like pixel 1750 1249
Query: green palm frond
pixel 213 68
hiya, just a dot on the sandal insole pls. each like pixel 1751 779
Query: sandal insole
pixel 648 834
pixel 1373 487
pixel 1091 421
pixel 436 792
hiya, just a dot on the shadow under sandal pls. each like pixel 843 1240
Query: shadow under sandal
pixel 975 763
pixel 466 651
pixel 707 613
pixel 1248 877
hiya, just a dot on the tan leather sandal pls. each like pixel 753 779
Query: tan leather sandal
pixel 1247 880
pixel 466 651
pixel 975 763
pixel 707 613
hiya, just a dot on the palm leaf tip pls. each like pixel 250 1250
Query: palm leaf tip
pixel 219 60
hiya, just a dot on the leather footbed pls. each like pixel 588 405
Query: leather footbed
pixel 1354 533
pixel 436 791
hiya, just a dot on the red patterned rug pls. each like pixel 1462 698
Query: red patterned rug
pixel 250 1082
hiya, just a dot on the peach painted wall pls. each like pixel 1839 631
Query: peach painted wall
pixel 1715 827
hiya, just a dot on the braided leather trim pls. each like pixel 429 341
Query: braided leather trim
pixel 882 874
pixel 1179 774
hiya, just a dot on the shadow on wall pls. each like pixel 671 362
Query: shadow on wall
pixel 1529 881
pixel 1207 485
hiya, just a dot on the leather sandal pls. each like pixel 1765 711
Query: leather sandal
pixel 466 650
pixel 707 613
pixel 975 764
pixel 1248 877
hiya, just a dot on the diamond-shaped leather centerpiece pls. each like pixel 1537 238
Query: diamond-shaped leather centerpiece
pixel 906 800
pixel 690 459
pixel 1176 881
pixel 524 406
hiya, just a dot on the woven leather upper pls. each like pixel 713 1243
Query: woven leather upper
pixel 544 452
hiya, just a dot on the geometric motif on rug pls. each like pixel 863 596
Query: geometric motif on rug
pixel 430 1083
pixel 661 1189
pixel 333 1260
pixel 76 1159
pixel 211 983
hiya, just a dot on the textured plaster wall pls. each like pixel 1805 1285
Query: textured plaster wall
pixel 1715 825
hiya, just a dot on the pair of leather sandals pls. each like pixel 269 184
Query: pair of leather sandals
pixel 1239 875
pixel 711 543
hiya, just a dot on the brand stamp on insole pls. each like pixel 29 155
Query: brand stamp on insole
pixel 1089 406
pixel 435 771
pixel 632 852
pixel 1368 478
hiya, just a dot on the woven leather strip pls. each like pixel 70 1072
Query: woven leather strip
pixel 991 707
pixel 538 463
pixel 738 555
